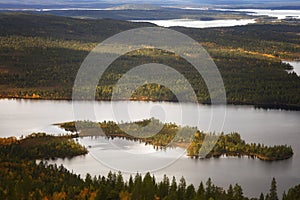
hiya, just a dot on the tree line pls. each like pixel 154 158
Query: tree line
pixel 29 180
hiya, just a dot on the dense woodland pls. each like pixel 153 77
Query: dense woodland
pixel 21 177
pixel 40 56
pixel 170 135
pixel 40 146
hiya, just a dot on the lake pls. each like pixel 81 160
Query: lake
pixel 296 67
pixel 270 127
pixel 199 23
pixel 191 23
pixel 277 13
pixel 280 14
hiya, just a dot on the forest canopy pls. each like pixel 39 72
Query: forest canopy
pixel 41 54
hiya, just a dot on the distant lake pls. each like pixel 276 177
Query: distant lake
pixel 191 23
pixel 280 14
pixel 270 127
pixel 296 67
pixel 199 23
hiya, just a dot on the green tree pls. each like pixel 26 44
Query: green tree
pixel 163 187
pixel 261 197
pixel 181 188
pixel 201 192
pixel 148 187
pixel 230 193
pixel 273 190
pixel 190 193
pixel 130 184
pixel 173 190
pixel 238 192
pixel 209 188
pixel 137 188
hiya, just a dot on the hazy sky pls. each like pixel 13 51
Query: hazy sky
pixel 171 2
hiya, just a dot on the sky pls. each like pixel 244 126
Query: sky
pixel 159 2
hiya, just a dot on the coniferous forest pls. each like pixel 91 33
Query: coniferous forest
pixel 41 54
pixel 22 177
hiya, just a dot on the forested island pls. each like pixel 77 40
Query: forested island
pixel 21 177
pixel 41 54
pixel 40 146
pixel 189 137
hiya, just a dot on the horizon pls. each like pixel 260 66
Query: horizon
pixel 109 3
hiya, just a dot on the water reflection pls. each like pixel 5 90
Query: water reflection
pixel 270 127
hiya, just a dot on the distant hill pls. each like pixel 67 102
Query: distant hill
pixel 36 25
pixel 135 7
pixel 139 4
pixel 92 3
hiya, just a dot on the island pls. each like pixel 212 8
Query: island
pixel 23 177
pixel 172 135
pixel 40 146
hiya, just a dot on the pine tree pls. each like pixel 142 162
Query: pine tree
pixel 119 182
pixel 284 197
pixel 173 190
pixel 201 192
pixel 209 188
pixel 163 187
pixel 130 184
pixel 230 192
pixel 181 188
pixel 137 188
pixel 148 187
pixel 273 190
pixel 238 192
pixel 190 192
pixel 261 197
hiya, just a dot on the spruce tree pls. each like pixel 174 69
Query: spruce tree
pixel 273 190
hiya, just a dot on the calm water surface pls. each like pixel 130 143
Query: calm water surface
pixel 199 23
pixel 20 117
pixel 280 14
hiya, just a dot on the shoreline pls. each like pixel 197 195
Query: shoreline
pixel 256 106
pixel 186 145
pixel 265 153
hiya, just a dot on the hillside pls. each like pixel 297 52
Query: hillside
pixel 40 56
